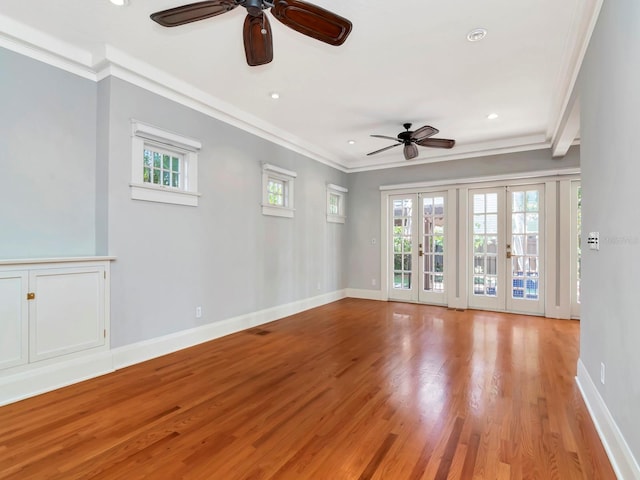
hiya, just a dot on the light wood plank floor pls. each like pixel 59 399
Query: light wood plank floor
pixel 353 390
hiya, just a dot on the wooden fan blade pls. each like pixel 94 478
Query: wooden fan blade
pixel 192 12
pixel 424 132
pixel 312 21
pixel 388 138
pixel 385 148
pixel 258 42
pixel 410 151
pixel 436 143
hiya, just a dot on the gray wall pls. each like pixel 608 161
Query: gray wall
pixel 223 255
pixel 65 148
pixel 47 160
pixel 364 198
pixel 610 330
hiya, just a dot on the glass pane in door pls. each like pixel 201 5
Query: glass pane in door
pixel 576 228
pixel 578 253
pixel 525 244
pixel 402 245
pixel 433 217
pixel 485 244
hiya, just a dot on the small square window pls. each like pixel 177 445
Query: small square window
pixel 336 199
pixel 164 166
pixel 277 191
pixel 334 203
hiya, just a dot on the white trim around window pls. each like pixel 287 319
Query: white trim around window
pixel 176 183
pixel 277 191
pixel 336 203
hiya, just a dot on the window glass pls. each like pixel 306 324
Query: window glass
pixel 161 168
pixel 276 192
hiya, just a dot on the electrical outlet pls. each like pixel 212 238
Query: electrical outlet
pixel 319 286
pixel 602 373
pixel 198 312
pixel 373 282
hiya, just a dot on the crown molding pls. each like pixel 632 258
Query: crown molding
pixel 571 172
pixel 32 43
pixel 473 150
pixel 584 22
pixel 115 63
pixel 108 61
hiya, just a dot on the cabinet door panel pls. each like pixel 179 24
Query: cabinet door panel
pixel 67 314
pixel 13 319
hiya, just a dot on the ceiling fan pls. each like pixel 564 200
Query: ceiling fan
pixel 412 138
pixel 303 17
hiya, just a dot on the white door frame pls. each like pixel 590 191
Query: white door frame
pixel 410 294
pixel 485 274
pixel 503 296
pixel 515 305
pixel 416 293
pixel 557 237
pixel 433 297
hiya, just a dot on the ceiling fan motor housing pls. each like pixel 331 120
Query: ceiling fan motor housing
pixel 254 7
pixel 405 136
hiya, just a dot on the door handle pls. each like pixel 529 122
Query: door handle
pixel 508 251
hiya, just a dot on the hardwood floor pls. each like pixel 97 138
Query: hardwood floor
pixel 353 390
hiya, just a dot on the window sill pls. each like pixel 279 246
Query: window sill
pixel 277 211
pixel 160 194
pixel 336 218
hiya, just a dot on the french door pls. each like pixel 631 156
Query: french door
pixel 506 249
pixel 576 229
pixel 418 248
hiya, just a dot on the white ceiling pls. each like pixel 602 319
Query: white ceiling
pixel 405 61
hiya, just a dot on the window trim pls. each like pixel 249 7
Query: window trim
pixel 144 135
pixel 287 177
pixel 341 192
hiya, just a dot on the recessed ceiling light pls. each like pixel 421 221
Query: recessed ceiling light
pixel 120 3
pixel 274 95
pixel 476 34
pixel 351 142
pixel 492 116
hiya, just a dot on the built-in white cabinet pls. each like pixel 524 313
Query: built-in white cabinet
pixel 52 310
pixel 14 326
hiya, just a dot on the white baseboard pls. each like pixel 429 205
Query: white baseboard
pixel 364 294
pixel 562 313
pixel 156 347
pixel 37 380
pixel 622 460
pixel 29 383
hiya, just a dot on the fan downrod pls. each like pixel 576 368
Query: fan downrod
pixel 254 7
